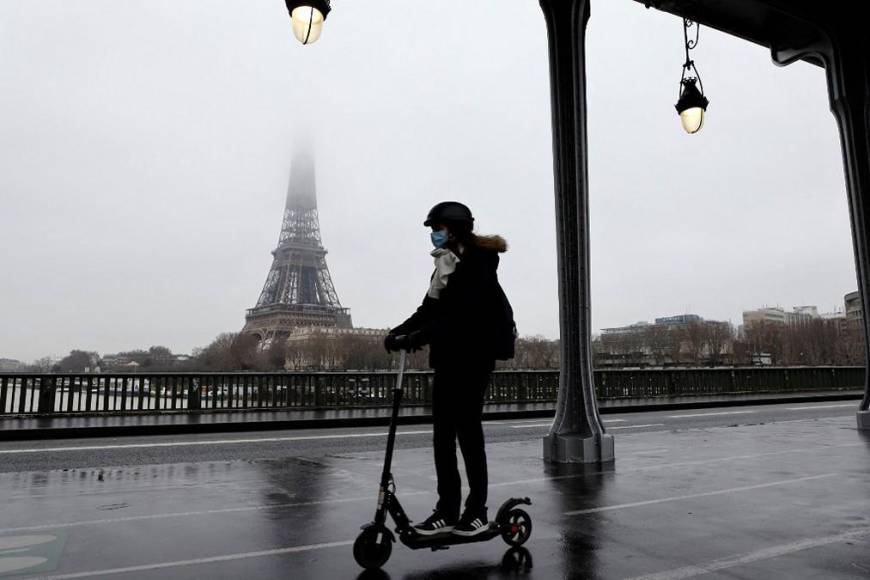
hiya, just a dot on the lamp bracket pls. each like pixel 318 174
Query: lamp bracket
pixel 689 66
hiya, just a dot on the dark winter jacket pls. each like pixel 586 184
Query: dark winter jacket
pixel 461 326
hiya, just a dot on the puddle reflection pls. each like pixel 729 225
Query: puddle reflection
pixel 578 486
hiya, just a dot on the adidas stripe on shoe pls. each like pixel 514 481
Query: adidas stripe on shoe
pixel 471 527
pixel 435 524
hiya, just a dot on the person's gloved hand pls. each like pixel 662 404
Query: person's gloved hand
pixel 410 342
pixel 390 343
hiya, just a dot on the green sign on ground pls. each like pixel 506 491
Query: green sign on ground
pixel 30 553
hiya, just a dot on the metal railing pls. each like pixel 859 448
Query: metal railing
pixel 50 394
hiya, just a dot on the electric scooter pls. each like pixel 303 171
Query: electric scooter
pixel 374 545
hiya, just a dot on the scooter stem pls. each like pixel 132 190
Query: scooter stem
pixel 402 355
pixel 391 437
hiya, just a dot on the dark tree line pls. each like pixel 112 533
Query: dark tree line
pixel 318 352
pixel 815 342
pixel 696 343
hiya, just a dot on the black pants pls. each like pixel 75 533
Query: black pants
pixel 457 408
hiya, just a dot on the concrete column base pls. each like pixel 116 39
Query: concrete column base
pixel 578 449
pixel 864 420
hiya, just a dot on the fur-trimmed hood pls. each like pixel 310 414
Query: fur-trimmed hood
pixel 491 243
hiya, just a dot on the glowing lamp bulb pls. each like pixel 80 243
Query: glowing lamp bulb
pixel 691 106
pixel 307 23
pixel 692 119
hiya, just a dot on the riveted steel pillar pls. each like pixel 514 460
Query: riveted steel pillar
pixel 577 434
pixel 848 72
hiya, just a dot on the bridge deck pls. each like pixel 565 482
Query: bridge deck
pixel 778 500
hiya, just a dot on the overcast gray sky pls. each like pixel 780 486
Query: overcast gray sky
pixel 145 148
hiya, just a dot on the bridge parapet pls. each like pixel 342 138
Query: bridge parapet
pixel 91 393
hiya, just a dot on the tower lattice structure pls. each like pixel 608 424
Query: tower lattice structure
pixel 298 291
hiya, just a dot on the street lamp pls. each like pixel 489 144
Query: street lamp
pixel 691 106
pixel 307 17
pixel 692 103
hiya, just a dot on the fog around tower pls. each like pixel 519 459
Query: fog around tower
pixel 146 147
pixel 302 183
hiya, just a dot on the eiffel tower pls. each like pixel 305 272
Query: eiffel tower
pixel 298 289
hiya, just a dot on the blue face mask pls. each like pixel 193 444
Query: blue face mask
pixel 439 238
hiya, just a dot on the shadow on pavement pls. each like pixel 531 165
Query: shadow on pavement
pixel 516 563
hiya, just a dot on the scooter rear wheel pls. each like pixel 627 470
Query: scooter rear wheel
pixel 372 548
pixel 517 528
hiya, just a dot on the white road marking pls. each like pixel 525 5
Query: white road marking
pixel 124 487
pixel 614 420
pixel 213 442
pixel 750 557
pixel 407 493
pixel 198 561
pixel 186 514
pixel 550 423
pixel 636 426
pixel 514 421
pixel 711 414
pixel 852 405
pixel 696 495
pixel 315 437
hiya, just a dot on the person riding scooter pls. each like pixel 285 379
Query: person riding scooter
pixel 467 322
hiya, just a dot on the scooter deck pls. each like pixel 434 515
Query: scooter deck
pixel 442 541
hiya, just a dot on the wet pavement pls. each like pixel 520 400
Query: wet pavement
pixel 786 497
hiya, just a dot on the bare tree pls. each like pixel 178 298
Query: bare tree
pixel 42 365
pixel 278 355
pixel 694 339
pixel 78 361
pixel 718 339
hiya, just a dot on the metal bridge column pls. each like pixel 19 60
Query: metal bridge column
pixel 848 72
pixel 577 434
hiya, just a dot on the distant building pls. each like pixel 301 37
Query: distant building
pixel 131 361
pixel 811 311
pixel 779 315
pixel 802 315
pixel 854 310
pixel 9 365
pixel 836 315
pixel 116 362
pixel 625 346
pixel 630 329
pixel 775 315
pixel 671 340
pixel 679 320
pixel 319 346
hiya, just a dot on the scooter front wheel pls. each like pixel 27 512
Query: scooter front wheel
pixel 372 548
pixel 518 527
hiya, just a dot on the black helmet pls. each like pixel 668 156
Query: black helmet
pixel 450 212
